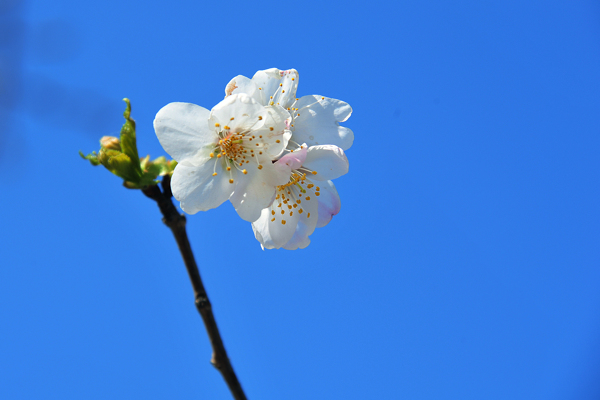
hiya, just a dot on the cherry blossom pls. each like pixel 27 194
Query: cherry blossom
pixel 307 201
pixel 314 119
pixel 225 153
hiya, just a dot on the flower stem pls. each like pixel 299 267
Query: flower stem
pixel 176 222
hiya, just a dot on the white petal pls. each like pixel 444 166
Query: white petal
pixel 182 130
pixel 197 189
pixel 329 203
pixel 238 112
pixel 318 122
pixel 328 161
pixel 241 84
pixel 275 230
pixel 280 85
pixel 256 190
pixel 300 239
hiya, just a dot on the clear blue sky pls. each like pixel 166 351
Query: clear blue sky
pixel 465 262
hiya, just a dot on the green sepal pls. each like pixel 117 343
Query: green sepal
pixel 92 157
pixel 128 140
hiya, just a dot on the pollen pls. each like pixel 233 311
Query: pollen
pixel 300 211
pixel 228 168
pixel 271 128
pixel 232 118
pixel 318 188
pixel 278 141
pixel 273 219
pixel 314 172
pixel 214 174
pixel 283 221
pixel 244 171
pixel 226 127
pixel 259 166
pixel 259 118
pixel 293 79
pixel 282 212
pixel 272 212
pixel 283 91
pixel 217 125
pixel 231 181
pixel 219 155
pixel 308 215
pixel 211 155
pixel 317 194
pixel 307 197
pixel 322 98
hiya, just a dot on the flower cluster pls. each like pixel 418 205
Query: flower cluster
pixel 271 154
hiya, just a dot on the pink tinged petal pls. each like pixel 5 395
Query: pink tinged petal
pixel 329 203
pixel 328 161
pixel 281 85
pixel 256 190
pixel 238 112
pixel 241 84
pixel 197 189
pixel 318 122
pixel 182 130
pixel 294 160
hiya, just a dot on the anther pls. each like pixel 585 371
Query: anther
pixel 226 127
pixel 314 172
pixel 272 212
pixel 231 181
pixel 273 220
pixel 217 125
pixel 214 174
pixel 308 215
pixel 271 128
pixel 259 166
pixel 211 155
pixel 244 171
pixel 283 221
pixel 228 168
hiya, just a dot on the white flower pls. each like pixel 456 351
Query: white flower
pixel 225 153
pixel 307 201
pixel 315 119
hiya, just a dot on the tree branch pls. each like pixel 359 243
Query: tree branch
pixel 176 222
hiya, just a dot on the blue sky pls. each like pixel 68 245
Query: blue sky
pixel 464 263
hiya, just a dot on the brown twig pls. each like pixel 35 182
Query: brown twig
pixel 176 222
